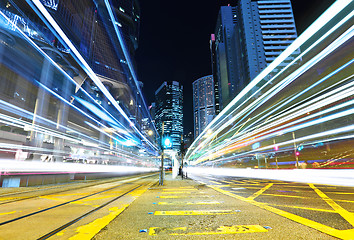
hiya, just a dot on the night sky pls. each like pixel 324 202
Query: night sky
pixel 174 42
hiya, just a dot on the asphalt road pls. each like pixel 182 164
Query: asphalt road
pixel 231 208
pixel 201 207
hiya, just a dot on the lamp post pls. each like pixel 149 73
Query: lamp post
pixel 162 148
pixel 295 152
pixel 166 142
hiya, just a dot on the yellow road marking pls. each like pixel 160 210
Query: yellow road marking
pixel 306 208
pixel 253 196
pixel 88 231
pixel 53 198
pixel 342 234
pixel 7 213
pixel 348 201
pixel 171 197
pixel 176 193
pixel 193 196
pixel 208 231
pixel 179 189
pixel 349 217
pixel 10 198
pixel 290 196
pixel 229 182
pixel 344 193
pixel 214 182
pixel 195 212
pixel 187 203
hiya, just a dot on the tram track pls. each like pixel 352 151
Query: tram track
pixel 95 201
pixel 17 195
pixel 57 230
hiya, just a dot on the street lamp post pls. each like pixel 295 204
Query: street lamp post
pixel 295 152
pixel 162 153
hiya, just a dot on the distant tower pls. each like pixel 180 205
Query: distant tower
pixel 169 107
pixel 248 37
pixel 203 103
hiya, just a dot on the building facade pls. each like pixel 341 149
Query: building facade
pixel 66 66
pixel 248 37
pixel 214 68
pixel 203 103
pixel 169 112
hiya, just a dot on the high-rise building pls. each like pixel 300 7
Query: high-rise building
pixel 214 67
pixel 248 37
pixel 71 63
pixel 203 103
pixel 169 115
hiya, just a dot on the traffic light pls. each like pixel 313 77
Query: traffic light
pixel 166 142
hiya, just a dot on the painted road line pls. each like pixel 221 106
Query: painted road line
pixel 305 208
pixel 176 193
pixel 288 196
pixel 347 201
pixel 193 196
pixel 291 196
pixel 188 203
pixel 207 231
pixel 214 182
pixel 342 234
pixel 195 212
pixel 349 217
pixel 239 188
pixel 88 231
pixel 253 196
pixel 7 213
pixel 344 193
pixel 179 189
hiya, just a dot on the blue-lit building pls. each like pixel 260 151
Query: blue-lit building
pixel 169 112
pixel 203 103
pixel 69 86
pixel 248 37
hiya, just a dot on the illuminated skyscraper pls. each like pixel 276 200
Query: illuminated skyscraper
pixel 203 103
pixel 248 37
pixel 69 65
pixel 169 112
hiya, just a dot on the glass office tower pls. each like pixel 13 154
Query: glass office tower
pixel 248 37
pixel 203 103
pixel 169 112
pixel 69 88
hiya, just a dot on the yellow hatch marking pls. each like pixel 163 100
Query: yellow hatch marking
pixel 171 197
pixel 260 191
pixel 187 203
pixel 348 201
pixel 195 212
pixel 208 231
pixel 193 196
pixel 289 196
pixel 176 193
pixel 214 182
pixel 179 189
pixel 344 193
pixel 7 213
pixel 349 217
pixel 306 208
pixel 342 234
